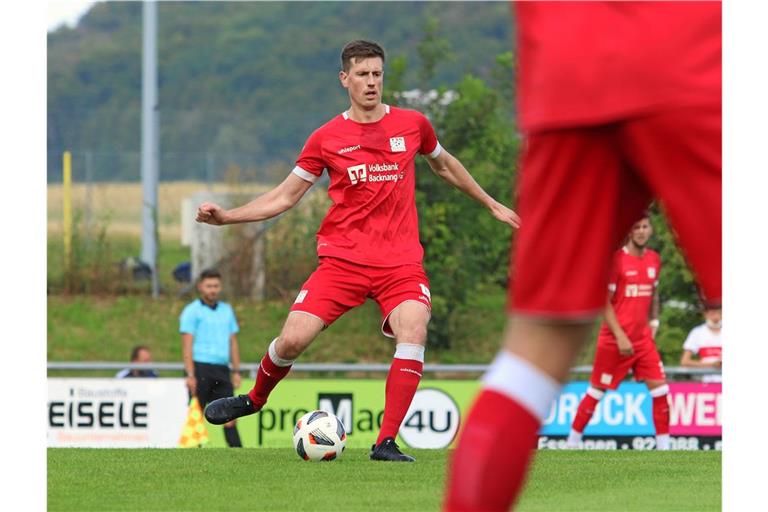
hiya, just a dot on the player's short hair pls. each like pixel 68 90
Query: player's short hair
pixel 360 49
pixel 210 273
pixel 136 350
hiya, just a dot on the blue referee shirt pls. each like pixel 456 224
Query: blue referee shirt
pixel 211 328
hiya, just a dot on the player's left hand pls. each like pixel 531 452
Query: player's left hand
pixel 505 214
pixel 236 380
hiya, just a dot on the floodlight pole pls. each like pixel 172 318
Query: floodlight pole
pixel 150 143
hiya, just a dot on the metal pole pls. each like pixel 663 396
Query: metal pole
pixel 209 170
pixel 150 145
pixel 88 194
pixel 67 209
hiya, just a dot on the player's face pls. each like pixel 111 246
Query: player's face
pixel 364 81
pixel 641 232
pixel 209 289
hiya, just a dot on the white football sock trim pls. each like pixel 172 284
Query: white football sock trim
pixel 595 393
pixel 660 391
pixel 409 351
pixel 519 380
pixel 574 438
pixel 277 359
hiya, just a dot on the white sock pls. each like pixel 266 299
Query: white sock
pixel 522 382
pixel 574 438
pixel 277 359
pixel 409 351
pixel 662 442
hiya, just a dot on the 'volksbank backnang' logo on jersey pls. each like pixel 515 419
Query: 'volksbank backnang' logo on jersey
pixel 374 173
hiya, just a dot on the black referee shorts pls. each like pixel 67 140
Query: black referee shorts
pixel 213 381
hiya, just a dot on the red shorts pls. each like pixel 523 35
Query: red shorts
pixel 339 285
pixel 610 367
pixel 581 190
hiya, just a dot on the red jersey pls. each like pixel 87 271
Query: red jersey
pixel 633 282
pixel 597 62
pixel 372 220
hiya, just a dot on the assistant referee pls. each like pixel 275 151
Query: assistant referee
pixel 209 339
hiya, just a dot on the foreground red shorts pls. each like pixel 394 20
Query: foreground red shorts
pixel 581 190
pixel 339 285
pixel 610 367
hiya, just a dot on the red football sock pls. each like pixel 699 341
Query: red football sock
pixel 267 377
pixel 403 379
pixel 489 465
pixel 661 414
pixel 585 411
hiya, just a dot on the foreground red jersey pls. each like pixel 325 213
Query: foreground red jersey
pixel 372 220
pixel 588 62
pixel 633 282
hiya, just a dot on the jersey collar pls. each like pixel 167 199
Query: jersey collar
pixel 215 304
pixel 345 114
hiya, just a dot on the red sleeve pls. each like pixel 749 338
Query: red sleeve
pixel 613 279
pixel 429 144
pixel 310 164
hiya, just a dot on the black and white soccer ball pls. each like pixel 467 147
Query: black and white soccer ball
pixel 318 436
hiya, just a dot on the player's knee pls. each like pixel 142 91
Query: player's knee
pixel 416 334
pixel 290 346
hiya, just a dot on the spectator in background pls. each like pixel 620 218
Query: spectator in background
pixel 209 341
pixel 139 354
pixel 704 342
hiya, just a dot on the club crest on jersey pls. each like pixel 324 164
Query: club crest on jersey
pixel 651 272
pixel 397 144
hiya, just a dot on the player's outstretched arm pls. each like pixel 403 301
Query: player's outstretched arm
pixel 268 205
pixel 451 170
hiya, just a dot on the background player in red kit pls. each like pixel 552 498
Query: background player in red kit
pixel 368 242
pixel 626 336
pixel 619 102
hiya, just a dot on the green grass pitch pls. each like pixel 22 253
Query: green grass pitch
pixel 276 479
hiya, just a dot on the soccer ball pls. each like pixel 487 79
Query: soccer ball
pixel 319 435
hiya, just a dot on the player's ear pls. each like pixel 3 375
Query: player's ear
pixel 343 78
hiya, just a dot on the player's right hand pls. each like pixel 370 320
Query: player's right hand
pixel 625 346
pixel 192 385
pixel 210 213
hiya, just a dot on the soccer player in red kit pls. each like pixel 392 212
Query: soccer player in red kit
pixel 626 336
pixel 368 243
pixel 619 102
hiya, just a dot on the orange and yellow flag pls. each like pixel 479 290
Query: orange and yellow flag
pixel 194 433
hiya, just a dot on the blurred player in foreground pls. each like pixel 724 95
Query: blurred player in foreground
pixel 368 243
pixel 626 339
pixel 620 102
